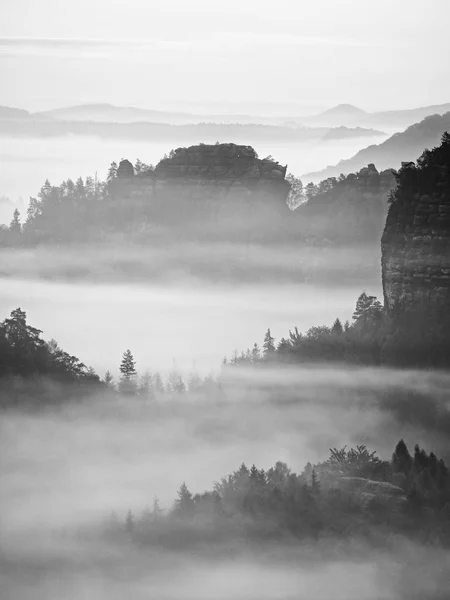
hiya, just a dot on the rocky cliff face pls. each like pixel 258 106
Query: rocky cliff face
pixel 416 239
pixel 220 162
pixel 223 188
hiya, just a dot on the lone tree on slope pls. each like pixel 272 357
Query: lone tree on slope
pixel 127 383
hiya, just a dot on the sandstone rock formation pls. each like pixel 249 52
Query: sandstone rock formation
pixel 125 170
pixel 221 190
pixel 219 162
pixel 225 192
pixel 416 239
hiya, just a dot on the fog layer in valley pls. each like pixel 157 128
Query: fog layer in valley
pixel 68 468
pixel 98 301
pixel 28 162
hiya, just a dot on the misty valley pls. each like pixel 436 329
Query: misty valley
pixel 219 379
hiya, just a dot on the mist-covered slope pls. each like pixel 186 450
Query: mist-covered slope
pixel 10 113
pixel 401 147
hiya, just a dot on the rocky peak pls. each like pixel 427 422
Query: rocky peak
pixel 125 170
pixel 218 161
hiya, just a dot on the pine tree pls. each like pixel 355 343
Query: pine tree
pixel 108 379
pixel 14 233
pixel 127 383
pixel 284 348
pixel 157 510
pixel 90 187
pixel 146 386
pixel 79 188
pixel 401 458
pixel 234 360
pixel 175 383
pixel 15 226
pixel 112 171
pixel 296 195
pixel 184 504
pixel 194 382
pixel 268 346
pixel 315 484
pixel 368 310
pixel 129 522
pixel 256 353
pixel 141 167
pixel 19 334
pixel 91 374
pixel 158 385
pixel 337 327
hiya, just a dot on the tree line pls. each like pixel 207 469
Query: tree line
pixel 359 342
pixel 27 361
pixel 353 493
pixel 91 210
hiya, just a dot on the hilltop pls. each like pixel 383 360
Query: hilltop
pixel 391 120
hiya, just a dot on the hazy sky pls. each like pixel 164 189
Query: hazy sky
pixel 288 55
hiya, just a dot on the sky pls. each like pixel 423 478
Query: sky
pixel 285 57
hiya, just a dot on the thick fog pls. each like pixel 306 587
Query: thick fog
pixel 28 162
pixel 64 471
pixel 97 302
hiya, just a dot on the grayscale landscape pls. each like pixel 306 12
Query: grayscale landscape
pixel 224 300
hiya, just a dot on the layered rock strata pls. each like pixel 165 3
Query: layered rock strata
pixel 220 190
pixel 416 239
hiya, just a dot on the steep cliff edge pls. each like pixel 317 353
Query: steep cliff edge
pixel 415 261
pixel 416 240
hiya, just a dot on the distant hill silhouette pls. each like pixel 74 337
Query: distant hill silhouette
pixel 407 117
pixel 404 146
pixel 7 112
pixel 343 114
pixel 128 114
pixel 344 109
pixel 41 127
pixel 119 114
pixel 352 116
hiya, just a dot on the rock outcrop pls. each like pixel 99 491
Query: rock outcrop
pixel 221 162
pixel 367 493
pixel 416 239
pixel 220 190
pixel 125 170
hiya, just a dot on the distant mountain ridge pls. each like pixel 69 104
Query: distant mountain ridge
pixel 8 112
pixel 344 109
pixel 340 115
pixel 144 130
pixel 400 147
pixel 129 114
pixel 352 116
